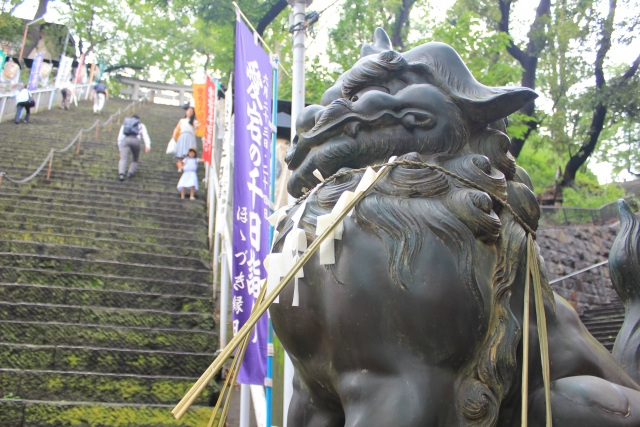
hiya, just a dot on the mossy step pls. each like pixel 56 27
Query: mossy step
pixel 186 210
pixel 17 293
pixel 105 243
pixel 194 216
pixel 34 276
pixel 103 388
pixel 110 186
pixel 39 214
pixel 78 265
pixel 163 199
pixel 112 316
pixel 25 413
pixel 105 360
pixel 140 181
pixel 173 239
pixel 92 253
pixel 95 224
pixel 82 194
pixel 62 332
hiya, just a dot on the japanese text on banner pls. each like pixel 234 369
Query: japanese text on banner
pixel 252 160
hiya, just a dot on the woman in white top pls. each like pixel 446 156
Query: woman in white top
pixel 23 101
pixel 185 136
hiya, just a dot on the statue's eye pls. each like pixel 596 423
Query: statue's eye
pixel 359 95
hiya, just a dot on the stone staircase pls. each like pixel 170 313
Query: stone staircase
pixel 106 312
pixel 604 322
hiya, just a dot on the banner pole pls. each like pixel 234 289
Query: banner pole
pixel 274 136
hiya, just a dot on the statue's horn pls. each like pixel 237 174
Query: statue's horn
pixel 624 267
pixel 381 43
pixel 499 104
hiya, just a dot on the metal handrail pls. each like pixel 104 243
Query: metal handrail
pixel 575 273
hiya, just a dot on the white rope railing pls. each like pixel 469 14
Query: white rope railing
pixel 77 140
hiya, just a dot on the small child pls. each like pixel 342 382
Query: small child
pixel 189 178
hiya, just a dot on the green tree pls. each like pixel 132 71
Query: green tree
pixel 358 21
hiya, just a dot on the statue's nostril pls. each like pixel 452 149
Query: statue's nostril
pixel 352 129
pixel 409 121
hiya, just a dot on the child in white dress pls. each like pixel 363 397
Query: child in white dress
pixel 189 178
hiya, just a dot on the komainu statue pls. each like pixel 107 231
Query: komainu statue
pixel 414 317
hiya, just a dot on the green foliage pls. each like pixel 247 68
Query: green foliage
pixel 587 193
pixel 10 396
pixel 11 29
pixel 483 51
pixel 541 163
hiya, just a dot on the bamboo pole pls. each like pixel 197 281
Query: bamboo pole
pixel 110 124
pixel 197 388
pixel 233 373
pixel 118 116
pixel 1 175
pixel 50 164
pixel 524 416
pixel 97 130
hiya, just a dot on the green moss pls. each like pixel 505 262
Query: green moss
pixel 104 416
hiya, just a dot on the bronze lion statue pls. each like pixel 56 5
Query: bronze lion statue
pixel 418 322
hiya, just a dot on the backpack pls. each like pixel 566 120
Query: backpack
pixel 101 88
pixel 131 126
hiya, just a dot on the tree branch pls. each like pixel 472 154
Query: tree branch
pixel 503 26
pixel 600 110
pixel 271 14
pixel 402 20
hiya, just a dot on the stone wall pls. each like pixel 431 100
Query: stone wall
pixel 569 249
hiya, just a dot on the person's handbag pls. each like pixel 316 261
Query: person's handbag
pixel 172 146
pixel 31 102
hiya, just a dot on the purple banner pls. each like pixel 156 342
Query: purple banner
pixel 35 72
pixel 251 180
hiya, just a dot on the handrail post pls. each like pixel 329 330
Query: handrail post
pixel 4 102
pixel 97 129
pixel 50 164
pixel 118 116
pixel 79 142
pixel 1 175
pixel 110 124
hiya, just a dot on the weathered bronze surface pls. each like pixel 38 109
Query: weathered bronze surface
pixel 418 322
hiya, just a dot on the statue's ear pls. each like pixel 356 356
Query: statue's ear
pixel 499 104
pixel 381 43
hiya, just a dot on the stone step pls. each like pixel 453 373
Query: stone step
pixel 38 413
pixel 105 298
pixel 142 180
pixel 49 277
pixel 162 199
pixel 101 229
pixel 93 253
pixel 62 332
pixel 104 360
pixel 78 265
pixel 123 236
pixel 38 211
pixel 110 316
pixel 105 243
pixel 135 189
pixel 611 323
pixel 171 207
pixel 168 200
pixel 103 388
